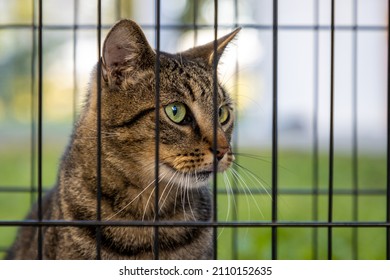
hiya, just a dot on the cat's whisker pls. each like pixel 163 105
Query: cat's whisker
pixel 175 203
pixel 146 205
pixel 183 197
pixel 229 194
pixel 169 186
pixel 128 204
pixel 150 196
pixel 196 177
pixel 243 185
pixel 255 179
pixel 188 196
pixel 232 193
pixel 135 198
pixel 249 191
pixel 178 188
pixel 265 159
pixel 228 201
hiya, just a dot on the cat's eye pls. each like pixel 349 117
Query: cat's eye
pixel 176 111
pixel 223 115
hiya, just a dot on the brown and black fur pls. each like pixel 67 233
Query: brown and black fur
pixel 128 157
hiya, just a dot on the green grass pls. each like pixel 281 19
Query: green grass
pixel 15 173
pixel 295 172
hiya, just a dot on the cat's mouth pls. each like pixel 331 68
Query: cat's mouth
pixel 202 176
pixel 197 176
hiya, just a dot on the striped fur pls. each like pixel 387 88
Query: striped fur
pixel 128 157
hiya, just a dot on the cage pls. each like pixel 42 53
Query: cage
pixel 310 81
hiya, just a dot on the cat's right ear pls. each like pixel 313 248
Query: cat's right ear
pixel 126 46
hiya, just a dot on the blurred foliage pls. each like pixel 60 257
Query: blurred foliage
pixel 19 56
pixel 191 13
pixel 18 65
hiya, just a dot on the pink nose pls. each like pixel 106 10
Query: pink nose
pixel 221 151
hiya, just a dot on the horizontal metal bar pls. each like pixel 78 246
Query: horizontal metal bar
pixel 16 189
pixel 251 224
pixel 253 190
pixel 306 191
pixel 200 26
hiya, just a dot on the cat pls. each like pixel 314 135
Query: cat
pixel 128 86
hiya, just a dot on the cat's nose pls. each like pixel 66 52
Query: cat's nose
pixel 221 151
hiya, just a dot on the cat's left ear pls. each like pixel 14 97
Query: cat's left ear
pixel 126 46
pixel 206 52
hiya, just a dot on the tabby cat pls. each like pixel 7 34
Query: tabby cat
pixel 128 86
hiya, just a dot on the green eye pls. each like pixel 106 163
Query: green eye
pixel 176 111
pixel 223 115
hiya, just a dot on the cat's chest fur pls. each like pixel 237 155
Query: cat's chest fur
pixel 127 161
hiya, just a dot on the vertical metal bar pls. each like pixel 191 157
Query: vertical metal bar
pixel 355 182
pixel 75 86
pixel 315 159
pixel 275 129
pixel 331 134
pixel 99 132
pixel 235 147
pixel 40 128
pixel 215 126
pixel 33 109
pixel 157 135
pixel 388 136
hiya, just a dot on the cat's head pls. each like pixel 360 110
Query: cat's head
pixel 186 88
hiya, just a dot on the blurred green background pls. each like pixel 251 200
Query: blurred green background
pixel 69 54
pixel 295 173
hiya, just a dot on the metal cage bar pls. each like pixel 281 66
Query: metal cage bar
pixel 315 158
pixel 331 133
pixel 274 250
pixel 234 242
pixel 284 191
pixel 33 139
pixel 99 130
pixel 186 26
pixel 215 126
pixel 157 135
pixel 40 125
pixel 388 137
pixel 355 152
pixel 243 224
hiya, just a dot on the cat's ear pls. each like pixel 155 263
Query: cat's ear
pixel 206 52
pixel 126 45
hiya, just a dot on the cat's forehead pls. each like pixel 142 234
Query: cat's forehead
pixel 183 67
pixel 189 80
